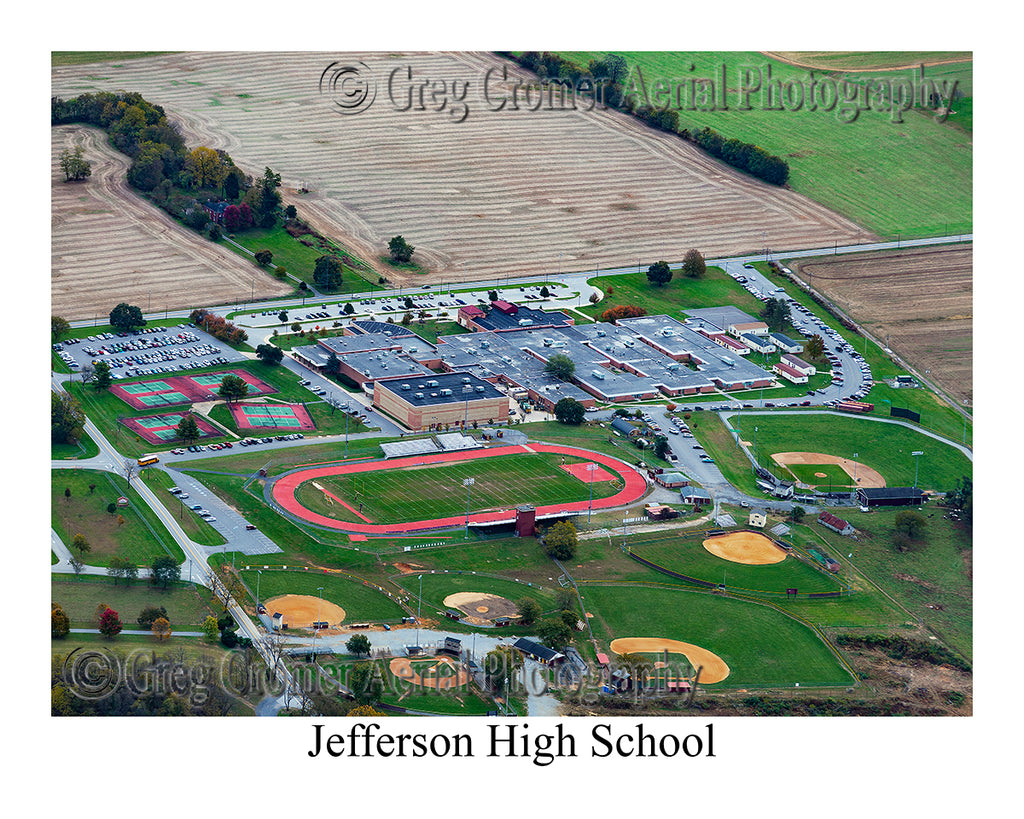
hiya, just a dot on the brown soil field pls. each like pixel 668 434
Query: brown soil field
pixel 444 674
pixel 301 610
pixel 481 607
pixel 860 475
pixel 109 245
pixel 520 192
pixel 715 668
pixel 919 298
pixel 745 547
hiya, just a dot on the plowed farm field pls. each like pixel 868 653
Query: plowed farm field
pixel 109 245
pixel 920 299
pixel 520 192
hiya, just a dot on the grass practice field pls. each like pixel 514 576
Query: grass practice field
pixel 396 487
pixel 436 490
pixel 688 556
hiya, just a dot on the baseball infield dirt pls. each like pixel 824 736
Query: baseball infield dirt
pixel 860 475
pixel 713 667
pixel 480 605
pixel 442 675
pixel 745 547
pixel 301 610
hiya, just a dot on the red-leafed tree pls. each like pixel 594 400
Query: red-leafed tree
pixel 110 624
pixel 237 217
pixel 622 311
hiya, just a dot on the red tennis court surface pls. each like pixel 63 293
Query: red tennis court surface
pixel 293 417
pixel 580 471
pixel 162 429
pixel 283 489
pixel 182 389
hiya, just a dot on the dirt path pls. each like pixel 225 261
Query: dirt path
pixel 108 245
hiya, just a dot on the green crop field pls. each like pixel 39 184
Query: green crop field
pixel 688 556
pixel 870 169
pixel 761 645
pixel 436 490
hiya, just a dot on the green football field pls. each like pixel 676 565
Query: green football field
pixel 436 490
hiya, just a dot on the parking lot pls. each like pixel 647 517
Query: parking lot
pixel 150 351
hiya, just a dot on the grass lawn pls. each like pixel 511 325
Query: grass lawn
pixel 933 581
pixel 187 605
pixel 86 57
pixel 85 448
pixel 436 491
pixel 869 170
pixel 299 258
pixel 812 474
pixel 761 646
pixel 140 539
pixel 360 602
pixel 436 587
pixel 688 556
pixel 194 526
pixel 883 447
pixel 713 290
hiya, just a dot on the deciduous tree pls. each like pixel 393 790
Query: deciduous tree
pixel 206 167
pixel 60 625
pixel 560 366
pixel 401 251
pixel 327 274
pixel 164 570
pixel 560 541
pixel 67 421
pixel 59 327
pixel 358 644
pixel 110 624
pixel 80 543
pixel 233 388
pixel 269 354
pixel 126 317
pixel 528 610
pixel 570 411
pixel 101 376
pixel 694 266
pixel 161 628
pixel 74 165
pixel 659 274
pixel 188 429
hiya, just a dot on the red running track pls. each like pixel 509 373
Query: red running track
pixel 284 488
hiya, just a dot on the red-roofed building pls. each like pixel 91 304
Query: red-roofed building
pixel 789 373
pixel 505 307
pixel 830 521
pixel 468 316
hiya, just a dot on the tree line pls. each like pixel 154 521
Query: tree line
pixel 165 170
pixel 743 156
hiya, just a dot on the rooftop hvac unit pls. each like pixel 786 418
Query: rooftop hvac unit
pixel 446 392
pixel 598 374
pixel 432 383
pixel 601 334
pixel 465 380
pixel 728 361
pixel 419 395
pixel 525 322
pixel 406 387
pixel 467 388
pixel 433 395
pixel 548 342
pixel 485 343
pixel 480 388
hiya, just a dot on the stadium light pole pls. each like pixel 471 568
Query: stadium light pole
pixel 320 590
pixel 468 482
pixel 917 454
pixel 855 456
pixel 419 606
pixel 258 574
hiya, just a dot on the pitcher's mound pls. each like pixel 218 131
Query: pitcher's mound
pixel 714 667
pixel 301 610
pixel 479 604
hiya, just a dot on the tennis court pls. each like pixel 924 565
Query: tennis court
pixel 162 429
pixel 183 389
pixel 292 417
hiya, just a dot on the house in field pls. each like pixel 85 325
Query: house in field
pixel 215 210
pixel 830 521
